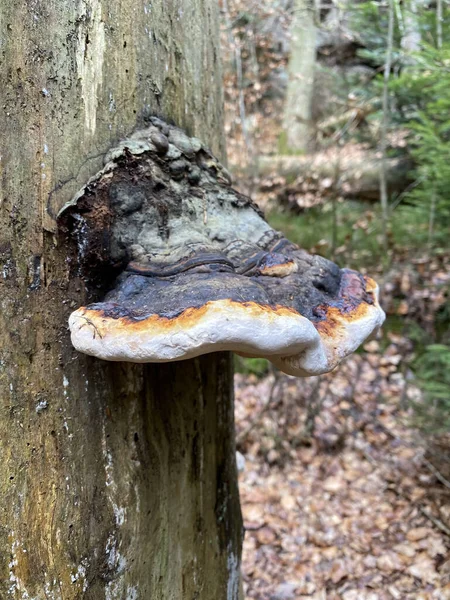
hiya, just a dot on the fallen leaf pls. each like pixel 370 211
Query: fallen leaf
pixel 419 533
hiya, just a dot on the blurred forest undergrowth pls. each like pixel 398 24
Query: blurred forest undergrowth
pixel 370 189
pixel 318 208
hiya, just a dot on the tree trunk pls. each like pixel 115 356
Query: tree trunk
pixel 119 480
pixel 411 36
pixel 298 108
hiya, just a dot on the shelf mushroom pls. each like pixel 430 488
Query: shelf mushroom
pixel 197 269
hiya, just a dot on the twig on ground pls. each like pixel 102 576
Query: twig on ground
pixel 435 472
pixel 437 522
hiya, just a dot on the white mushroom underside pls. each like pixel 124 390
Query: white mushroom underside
pixel 290 341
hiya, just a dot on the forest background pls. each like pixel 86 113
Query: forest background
pixel 338 124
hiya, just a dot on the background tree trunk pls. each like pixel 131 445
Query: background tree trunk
pixel 118 480
pixel 298 108
pixel 411 35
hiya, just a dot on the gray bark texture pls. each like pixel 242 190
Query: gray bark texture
pixel 118 481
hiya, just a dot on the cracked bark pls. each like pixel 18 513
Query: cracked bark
pixel 118 481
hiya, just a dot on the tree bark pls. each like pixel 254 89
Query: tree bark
pixel 298 108
pixel 118 480
pixel 411 36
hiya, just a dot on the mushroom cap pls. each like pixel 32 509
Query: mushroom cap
pixel 200 268
pixel 195 307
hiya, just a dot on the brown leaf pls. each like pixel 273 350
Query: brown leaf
pixel 419 533
pixel 338 571
pixel 334 484
pixel 424 568
pixel 266 535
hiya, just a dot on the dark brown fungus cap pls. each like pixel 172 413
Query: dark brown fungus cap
pixel 200 268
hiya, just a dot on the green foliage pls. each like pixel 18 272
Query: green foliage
pixel 371 20
pixel 251 366
pixel 419 104
pixel 425 87
pixel 432 369
pixel 352 240
pixel 358 231
pixel 284 148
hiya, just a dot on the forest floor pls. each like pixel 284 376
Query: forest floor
pixel 341 498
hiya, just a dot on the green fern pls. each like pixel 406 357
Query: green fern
pixel 432 369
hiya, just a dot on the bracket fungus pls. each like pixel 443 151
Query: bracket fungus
pixel 197 269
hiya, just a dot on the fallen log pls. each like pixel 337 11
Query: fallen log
pixel 349 173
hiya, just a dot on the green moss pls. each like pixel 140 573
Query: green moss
pixel 358 231
pixel 283 147
pixel 254 366
pixel 314 230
